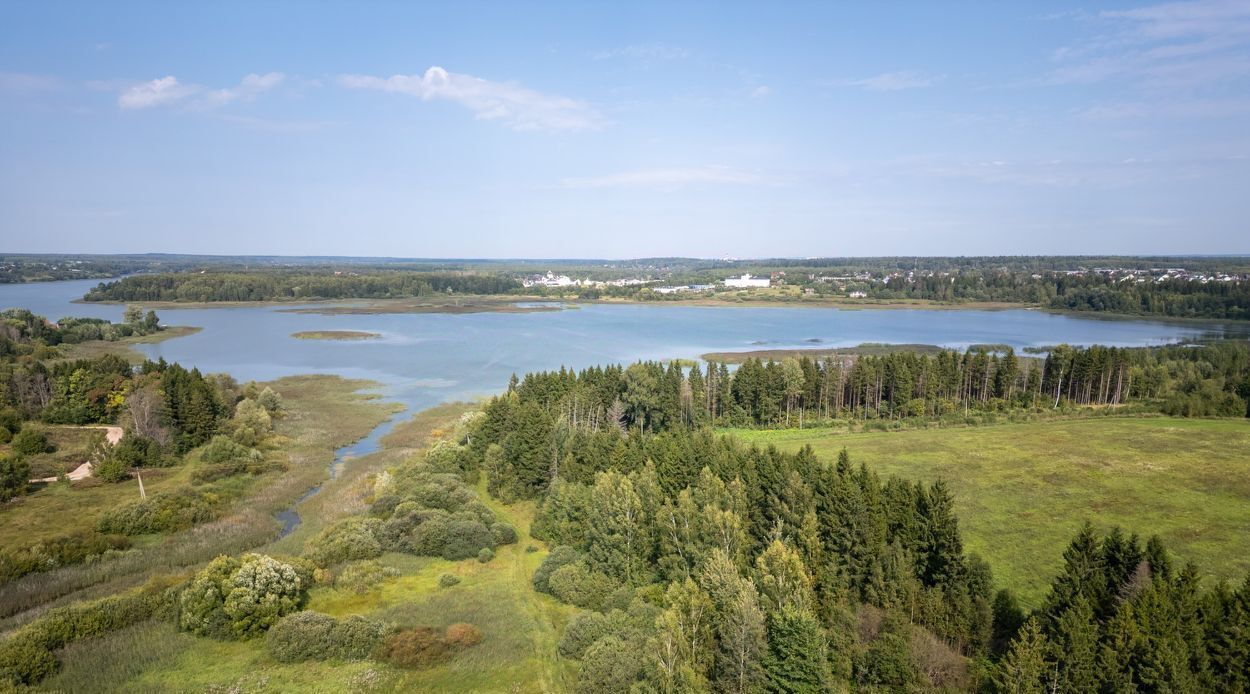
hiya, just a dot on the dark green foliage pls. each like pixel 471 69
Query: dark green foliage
pixel 14 476
pixel 30 441
pixel 503 533
pixel 162 512
pixel 272 285
pixel 559 557
pixel 582 631
pixel 798 659
pixel 347 540
pixel 579 585
pixel 485 555
pixel 609 665
pixel 302 636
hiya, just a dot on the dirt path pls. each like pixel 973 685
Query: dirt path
pixel 112 434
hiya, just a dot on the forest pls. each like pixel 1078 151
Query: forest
pixel 904 387
pixel 705 565
pixel 274 285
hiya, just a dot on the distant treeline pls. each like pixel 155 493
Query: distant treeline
pixel 280 286
pixel 1212 380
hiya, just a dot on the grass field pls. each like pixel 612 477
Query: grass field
pixel 1023 490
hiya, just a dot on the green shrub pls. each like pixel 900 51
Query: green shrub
pixel 136 451
pixel 583 630
pixel 485 555
pixel 14 477
pixel 305 636
pixel 448 580
pixel 577 585
pixel 559 557
pixel 30 441
pixel 222 449
pixel 23 662
pixel 349 539
pixel 262 591
pixel 362 576
pixel 232 598
pixel 503 533
pixel 609 665
pixel 162 512
pixel 60 551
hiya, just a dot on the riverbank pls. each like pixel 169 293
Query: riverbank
pixel 125 346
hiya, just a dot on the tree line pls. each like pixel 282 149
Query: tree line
pixel 1211 380
pixel 282 285
pixel 706 565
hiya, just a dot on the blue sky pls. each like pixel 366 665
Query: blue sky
pixel 615 130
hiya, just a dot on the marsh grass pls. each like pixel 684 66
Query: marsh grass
pixel 1023 490
pixel 323 413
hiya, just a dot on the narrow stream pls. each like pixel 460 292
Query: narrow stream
pixel 371 443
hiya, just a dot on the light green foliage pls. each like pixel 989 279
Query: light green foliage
pixel 251 424
pixel 557 558
pixel 303 636
pixel 232 598
pixel 448 580
pixel 223 449
pixel 349 539
pixel 485 555
pixel 271 401
pixel 362 576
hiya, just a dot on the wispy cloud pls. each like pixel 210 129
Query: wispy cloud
pixel 672 178
pixel 516 106
pixel 168 91
pixel 891 81
pixel 650 53
pixel 24 82
pixel 1181 45
pixel 760 92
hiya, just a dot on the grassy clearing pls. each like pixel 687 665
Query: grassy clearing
pixel 335 335
pixel 1023 490
pixel 73 446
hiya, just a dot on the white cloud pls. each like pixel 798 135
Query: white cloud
pixel 891 81
pixel 671 178
pixel 761 91
pixel 518 107
pixel 158 92
pixel 168 91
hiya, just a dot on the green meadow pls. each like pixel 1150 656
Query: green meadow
pixel 1022 490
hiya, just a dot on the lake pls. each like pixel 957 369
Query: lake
pixel 423 359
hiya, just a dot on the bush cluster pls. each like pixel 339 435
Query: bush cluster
pixel 26 657
pixel 240 598
pixel 302 636
pixel 347 540
pixel 30 441
pixel 162 512
pixel 362 576
pixel 60 551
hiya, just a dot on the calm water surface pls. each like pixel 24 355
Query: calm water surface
pixel 425 359
pixel 422 360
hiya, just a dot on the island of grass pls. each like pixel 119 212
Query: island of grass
pixel 343 335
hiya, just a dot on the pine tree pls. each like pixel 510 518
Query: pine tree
pixel 1023 670
pixel 798 659
pixel 1074 648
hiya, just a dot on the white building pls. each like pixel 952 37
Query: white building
pixel 747 281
